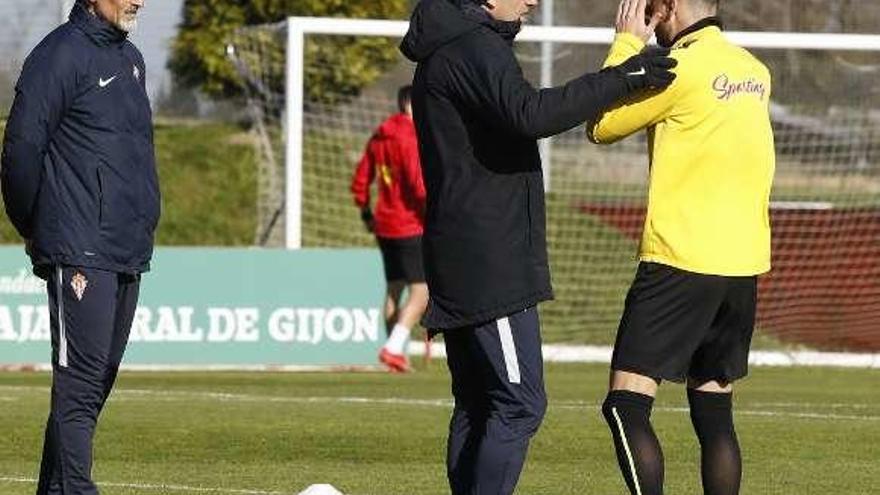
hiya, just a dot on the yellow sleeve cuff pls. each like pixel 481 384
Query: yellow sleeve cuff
pixel 625 45
pixel 630 41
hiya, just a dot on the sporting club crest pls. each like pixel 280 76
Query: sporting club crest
pixel 79 282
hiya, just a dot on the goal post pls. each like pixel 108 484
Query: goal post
pixel 297 30
pixel 825 289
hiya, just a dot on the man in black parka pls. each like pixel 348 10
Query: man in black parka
pixel 485 251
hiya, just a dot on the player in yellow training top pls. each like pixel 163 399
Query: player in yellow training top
pixel 690 311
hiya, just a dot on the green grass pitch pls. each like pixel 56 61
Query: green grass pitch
pixel 803 431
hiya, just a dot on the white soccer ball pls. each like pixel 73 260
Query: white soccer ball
pixel 322 489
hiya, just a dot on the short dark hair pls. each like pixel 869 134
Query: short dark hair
pixel 404 97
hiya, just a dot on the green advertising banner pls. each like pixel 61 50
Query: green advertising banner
pixel 223 308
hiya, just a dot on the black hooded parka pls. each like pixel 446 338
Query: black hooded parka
pixel 478 122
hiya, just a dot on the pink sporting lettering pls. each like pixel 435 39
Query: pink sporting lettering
pixel 725 89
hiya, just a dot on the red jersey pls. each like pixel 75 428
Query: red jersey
pixel 392 154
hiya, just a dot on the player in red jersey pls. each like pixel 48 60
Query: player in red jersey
pixel 392 159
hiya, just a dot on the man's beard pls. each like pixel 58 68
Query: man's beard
pixel 663 40
pixel 127 23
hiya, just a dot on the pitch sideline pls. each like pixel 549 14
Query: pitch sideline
pixel 563 353
pixel 125 395
pixel 553 353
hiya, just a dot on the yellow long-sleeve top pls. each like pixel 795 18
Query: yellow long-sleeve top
pixel 712 155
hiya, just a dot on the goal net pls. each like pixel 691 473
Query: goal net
pixel 314 110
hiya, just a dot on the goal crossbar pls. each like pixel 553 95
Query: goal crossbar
pixel 594 35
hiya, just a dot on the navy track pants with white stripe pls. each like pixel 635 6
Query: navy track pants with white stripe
pixel 498 385
pixel 91 312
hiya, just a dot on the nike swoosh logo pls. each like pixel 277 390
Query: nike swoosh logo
pixel 640 72
pixel 103 83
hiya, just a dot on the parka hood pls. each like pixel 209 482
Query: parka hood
pixel 435 23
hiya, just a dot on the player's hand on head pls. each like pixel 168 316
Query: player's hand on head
pixel 651 69
pixel 632 18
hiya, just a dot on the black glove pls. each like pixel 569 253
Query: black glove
pixel 367 218
pixel 648 70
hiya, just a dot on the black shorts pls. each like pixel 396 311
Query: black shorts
pixel 402 259
pixel 679 324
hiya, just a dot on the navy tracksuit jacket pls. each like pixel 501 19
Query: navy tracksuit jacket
pixel 79 183
pixel 79 176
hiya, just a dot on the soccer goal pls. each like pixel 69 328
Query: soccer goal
pixel 317 88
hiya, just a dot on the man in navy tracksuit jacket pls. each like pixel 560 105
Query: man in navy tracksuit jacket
pixel 79 183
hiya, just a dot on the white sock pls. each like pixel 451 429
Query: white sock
pixel 396 343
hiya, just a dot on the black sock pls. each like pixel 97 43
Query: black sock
pixel 638 451
pixel 721 463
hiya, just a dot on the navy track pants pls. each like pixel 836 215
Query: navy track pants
pixel 91 312
pixel 498 385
